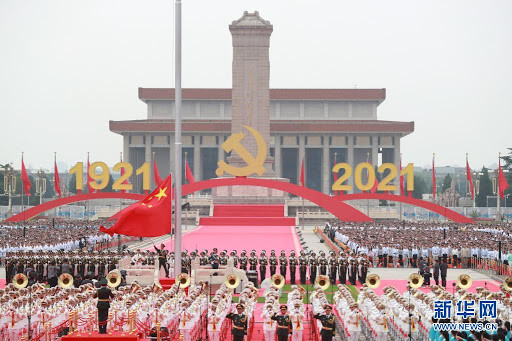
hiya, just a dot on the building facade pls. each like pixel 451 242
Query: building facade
pixel 317 124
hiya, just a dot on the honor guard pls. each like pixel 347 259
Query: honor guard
pixel 322 261
pixel 263 265
pixel 313 263
pixel 203 259
pixel 342 269
pixel 303 267
pixel 235 258
pixel 284 324
pixel 223 259
pixel 272 260
pixel 253 261
pixel 283 263
pixel 328 324
pixel 352 271
pixel 239 323
pixel 364 270
pixel 333 267
pixel 293 261
pixel 104 295
pixel 243 260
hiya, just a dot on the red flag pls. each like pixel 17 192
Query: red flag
pixel 150 217
pixel 402 192
pixel 433 178
pixel 502 181
pixel 188 173
pixel 56 181
pixel 156 176
pixel 470 179
pixel 24 178
pixel 301 178
pixel 89 179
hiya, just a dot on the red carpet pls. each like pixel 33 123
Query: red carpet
pixel 248 215
pixel 401 285
pixel 240 238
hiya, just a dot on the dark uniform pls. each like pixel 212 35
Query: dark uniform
pixel 239 326
pixel 284 326
pixel 253 262
pixel 162 260
pixel 104 295
pixel 328 326
pixel 364 270
pixel 293 266
pixel 333 267
pixel 283 263
pixel 323 264
pixel 303 267
pixel 353 269
pixel 272 260
pixel 312 268
pixel 243 260
pixel 263 266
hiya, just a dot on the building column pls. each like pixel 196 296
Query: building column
pixel 375 151
pixel 197 158
pixel 302 156
pixel 396 161
pixel 277 155
pixel 350 160
pixel 126 147
pixel 147 153
pixel 220 151
pixel 325 167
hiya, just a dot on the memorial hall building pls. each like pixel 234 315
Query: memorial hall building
pixel 316 124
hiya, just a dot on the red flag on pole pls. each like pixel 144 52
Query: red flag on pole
pixel 402 192
pixel 470 179
pixel 433 177
pixel 188 173
pixel 156 175
pixel 89 179
pixel 24 178
pixel 302 180
pixel 502 181
pixel 56 181
pixel 150 217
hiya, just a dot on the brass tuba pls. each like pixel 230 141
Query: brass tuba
pixel 232 281
pixel 277 280
pixel 373 281
pixel 507 283
pixel 20 280
pixel 415 280
pixel 183 280
pixel 323 282
pixel 114 278
pixel 65 280
pixel 464 281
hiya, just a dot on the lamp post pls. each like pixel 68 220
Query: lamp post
pixel 41 185
pixel 9 186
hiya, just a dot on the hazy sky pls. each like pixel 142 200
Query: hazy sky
pixel 68 67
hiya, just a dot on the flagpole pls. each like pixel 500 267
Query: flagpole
pixel 498 213
pixel 22 190
pixel 177 138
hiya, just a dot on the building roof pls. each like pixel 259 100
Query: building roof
pixel 275 94
pixel 276 126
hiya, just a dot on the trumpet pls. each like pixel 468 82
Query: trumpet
pixel 232 281
pixel 20 280
pixel 323 282
pixel 114 278
pixel 415 280
pixel 464 281
pixel 183 280
pixel 373 281
pixel 277 280
pixel 65 281
pixel 507 283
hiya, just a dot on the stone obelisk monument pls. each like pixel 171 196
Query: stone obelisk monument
pixel 250 106
pixel 251 76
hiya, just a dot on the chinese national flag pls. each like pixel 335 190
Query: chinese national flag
pixel 25 179
pixel 301 178
pixel 502 181
pixel 57 180
pixel 156 175
pixel 150 217
pixel 188 173
pixel 470 179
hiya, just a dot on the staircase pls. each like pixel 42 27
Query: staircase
pixel 248 215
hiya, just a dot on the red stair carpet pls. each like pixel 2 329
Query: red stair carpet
pixel 248 215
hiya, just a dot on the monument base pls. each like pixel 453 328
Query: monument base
pixel 249 195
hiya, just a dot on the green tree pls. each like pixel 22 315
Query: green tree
pixel 484 189
pixel 447 182
pixel 420 187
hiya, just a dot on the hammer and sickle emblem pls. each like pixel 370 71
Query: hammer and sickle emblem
pixel 254 164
